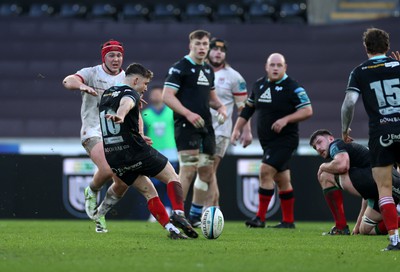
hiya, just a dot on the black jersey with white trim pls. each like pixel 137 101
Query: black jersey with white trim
pixel 274 100
pixel 193 83
pixel 378 81
pixel 359 157
pixel 121 141
pixel 358 154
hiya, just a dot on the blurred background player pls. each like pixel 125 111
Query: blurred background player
pixel 281 104
pixel 231 90
pixel 130 156
pixel 189 91
pixel 158 121
pixel 91 82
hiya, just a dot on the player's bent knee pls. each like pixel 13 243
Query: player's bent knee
pixel 366 229
pixel 368 221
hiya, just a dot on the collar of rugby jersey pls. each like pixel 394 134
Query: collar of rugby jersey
pixel 378 57
pixel 285 76
pixel 192 61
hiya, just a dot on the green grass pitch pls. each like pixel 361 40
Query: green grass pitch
pixel 73 245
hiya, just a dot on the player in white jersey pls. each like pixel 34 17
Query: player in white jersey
pixel 231 90
pixel 92 82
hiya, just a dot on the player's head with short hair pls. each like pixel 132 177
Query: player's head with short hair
pixel 199 45
pixel 199 34
pixel 376 41
pixel 138 69
pixel 138 77
pixel 322 132
pixel 320 140
pixel 111 45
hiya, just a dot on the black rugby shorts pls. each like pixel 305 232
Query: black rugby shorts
pixel 188 137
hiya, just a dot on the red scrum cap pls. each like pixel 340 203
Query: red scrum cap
pixel 109 46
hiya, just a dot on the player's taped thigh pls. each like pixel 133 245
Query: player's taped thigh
pixel 368 221
pixel 89 143
pixel 188 159
pixel 204 160
pixel 338 181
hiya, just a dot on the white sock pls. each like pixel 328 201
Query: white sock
pixel 394 239
pixel 108 202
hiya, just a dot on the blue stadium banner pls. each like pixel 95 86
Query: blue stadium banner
pixel 77 174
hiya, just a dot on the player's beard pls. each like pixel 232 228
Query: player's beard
pixel 217 64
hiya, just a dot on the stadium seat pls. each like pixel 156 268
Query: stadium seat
pixel 73 10
pixel 293 12
pixel 229 13
pixel 396 11
pixel 134 12
pixel 69 127
pixel 261 12
pixel 15 126
pixel 103 11
pixel 41 10
pixel 10 9
pixel 166 12
pixel 197 13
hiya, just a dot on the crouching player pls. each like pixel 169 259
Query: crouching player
pixel 132 159
pixel 350 170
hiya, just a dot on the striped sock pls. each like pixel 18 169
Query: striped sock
pixel 195 211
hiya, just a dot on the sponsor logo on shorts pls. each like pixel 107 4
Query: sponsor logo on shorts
pixel 388 139
pixel 122 170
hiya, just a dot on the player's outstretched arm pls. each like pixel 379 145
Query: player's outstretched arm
pixel 73 82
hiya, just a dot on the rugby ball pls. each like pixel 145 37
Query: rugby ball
pixel 212 222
